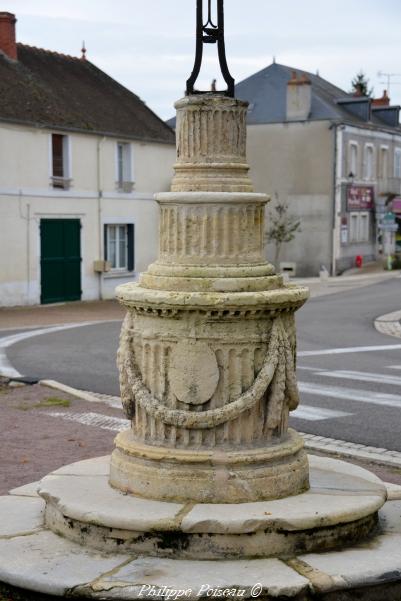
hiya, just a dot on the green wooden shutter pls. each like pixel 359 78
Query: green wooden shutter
pixel 105 243
pixel 131 246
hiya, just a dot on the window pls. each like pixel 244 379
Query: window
pixel 359 227
pixel 384 162
pixel 119 246
pixel 124 167
pixel 353 159
pixel 368 162
pixel 397 162
pixel 60 161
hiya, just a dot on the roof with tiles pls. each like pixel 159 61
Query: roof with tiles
pixel 59 91
pixel 266 92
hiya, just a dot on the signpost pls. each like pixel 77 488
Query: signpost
pixel 388 227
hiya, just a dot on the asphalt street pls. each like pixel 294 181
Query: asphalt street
pixel 350 385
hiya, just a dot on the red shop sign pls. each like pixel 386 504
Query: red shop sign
pixel 396 205
pixel 360 197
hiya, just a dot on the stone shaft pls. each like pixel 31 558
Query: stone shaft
pixel 211 145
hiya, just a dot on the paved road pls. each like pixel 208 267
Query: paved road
pixel 353 396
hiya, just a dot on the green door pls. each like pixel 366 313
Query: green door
pixel 60 260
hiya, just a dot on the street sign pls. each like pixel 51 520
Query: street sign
pixel 388 227
pixel 388 223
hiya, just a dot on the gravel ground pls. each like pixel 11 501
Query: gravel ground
pixel 33 443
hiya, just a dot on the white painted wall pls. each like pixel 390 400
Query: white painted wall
pixel 26 196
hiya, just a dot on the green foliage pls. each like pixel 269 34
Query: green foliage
pixel 360 85
pixel 282 227
pixel 53 401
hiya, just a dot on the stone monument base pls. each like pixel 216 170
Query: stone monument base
pixel 209 476
pixel 340 508
pixel 80 537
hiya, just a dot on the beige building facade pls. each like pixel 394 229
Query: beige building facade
pixel 80 160
pixel 333 158
pixel 28 197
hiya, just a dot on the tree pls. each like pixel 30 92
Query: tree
pixel 360 85
pixel 283 228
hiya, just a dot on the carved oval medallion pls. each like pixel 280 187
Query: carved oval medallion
pixel 194 373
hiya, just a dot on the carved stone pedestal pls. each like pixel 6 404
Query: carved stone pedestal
pixel 207 349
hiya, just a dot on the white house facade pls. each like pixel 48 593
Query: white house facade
pixel 78 172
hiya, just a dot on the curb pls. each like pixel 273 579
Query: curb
pixel 91 397
pixel 329 446
pixel 351 450
pixel 389 324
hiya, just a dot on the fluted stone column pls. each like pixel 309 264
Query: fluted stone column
pixel 207 352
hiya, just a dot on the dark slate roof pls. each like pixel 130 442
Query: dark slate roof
pixel 58 91
pixel 266 92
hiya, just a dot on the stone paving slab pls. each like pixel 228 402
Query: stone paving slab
pixel 271 576
pixel 339 493
pixel 50 564
pixel 91 499
pixel 20 515
pixel 377 562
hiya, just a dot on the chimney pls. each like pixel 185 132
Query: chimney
pixel 8 43
pixel 383 101
pixel 299 97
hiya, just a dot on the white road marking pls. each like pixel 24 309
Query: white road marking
pixel 350 349
pixel 315 369
pixel 362 376
pixel 310 413
pixel 98 420
pixel 6 369
pixel 393 367
pixel 351 394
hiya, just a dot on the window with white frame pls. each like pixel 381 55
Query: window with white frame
pixel 368 162
pixel 60 161
pixel 353 159
pixel 119 246
pixel 397 162
pixel 124 167
pixel 384 162
pixel 359 224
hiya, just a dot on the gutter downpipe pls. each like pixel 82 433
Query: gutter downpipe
pixel 334 214
pixel 99 213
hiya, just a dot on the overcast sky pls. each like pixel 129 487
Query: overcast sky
pixel 148 45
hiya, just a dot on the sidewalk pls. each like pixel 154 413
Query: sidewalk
pixel 12 318
pixel 372 273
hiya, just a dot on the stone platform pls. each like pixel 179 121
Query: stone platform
pixel 120 536
pixel 340 507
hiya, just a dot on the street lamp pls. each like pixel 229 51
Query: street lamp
pixel 207 32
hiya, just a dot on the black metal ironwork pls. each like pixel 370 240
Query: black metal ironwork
pixel 207 32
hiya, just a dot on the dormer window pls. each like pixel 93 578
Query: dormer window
pixel 60 174
pixel 125 181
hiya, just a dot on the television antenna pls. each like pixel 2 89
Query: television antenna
pixel 388 79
